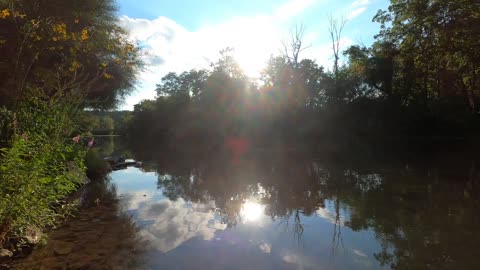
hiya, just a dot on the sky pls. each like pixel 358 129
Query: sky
pixel 177 36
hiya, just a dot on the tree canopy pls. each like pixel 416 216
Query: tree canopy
pixel 65 46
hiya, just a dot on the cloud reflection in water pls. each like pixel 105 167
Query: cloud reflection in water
pixel 173 222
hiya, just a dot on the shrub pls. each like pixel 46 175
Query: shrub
pixel 41 166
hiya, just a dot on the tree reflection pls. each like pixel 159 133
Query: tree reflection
pixel 425 214
pixel 286 187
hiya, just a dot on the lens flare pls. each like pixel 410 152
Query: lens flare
pixel 251 211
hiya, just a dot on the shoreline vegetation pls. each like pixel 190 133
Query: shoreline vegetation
pixel 65 65
pixel 58 61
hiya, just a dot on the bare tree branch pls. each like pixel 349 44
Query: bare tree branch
pixel 294 47
pixel 335 29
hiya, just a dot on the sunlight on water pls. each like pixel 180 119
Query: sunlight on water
pixel 251 211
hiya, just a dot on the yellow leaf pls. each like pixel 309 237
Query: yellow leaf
pixel 4 14
pixel 84 34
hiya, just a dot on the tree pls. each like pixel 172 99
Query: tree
pixel 335 29
pixel 65 46
pixel 293 48
pixel 186 85
pixel 228 65
pixel 437 43
pixel 374 66
pixel 108 123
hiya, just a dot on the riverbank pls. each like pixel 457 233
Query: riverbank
pixel 20 242
pixel 94 194
pixel 95 235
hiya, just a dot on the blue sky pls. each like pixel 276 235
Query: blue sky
pixel 184 34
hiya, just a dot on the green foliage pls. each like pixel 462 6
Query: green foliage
pixel 106 122
pixel 96 166
pixel 6 118
pixel 65 46
pixel 41 166
pixel 433 46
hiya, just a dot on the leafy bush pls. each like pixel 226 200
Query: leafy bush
pixel 6 117
pixel 96 166
pixel 41 166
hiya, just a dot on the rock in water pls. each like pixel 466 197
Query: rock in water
pixel 5 254
pixel 62 247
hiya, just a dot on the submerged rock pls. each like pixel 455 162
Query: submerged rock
pixel 5 253
pixel 62 247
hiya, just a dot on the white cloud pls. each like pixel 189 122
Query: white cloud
pixel 329 216
pixel 170 47
pixel 360 3
pixel 266 247
pixel 135 200
pixel 359 253
pixel 301 261
pixel 357 8
pixel 356 12
pixel 170 223
pixel 291 259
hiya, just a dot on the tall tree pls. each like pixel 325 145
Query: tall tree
pixel 335 29
pixel 438 48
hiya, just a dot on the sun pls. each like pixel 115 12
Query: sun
pixel 252 64
pixel 251 211
pixel 254 42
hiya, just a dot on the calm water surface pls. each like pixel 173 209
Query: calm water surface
pixel 275 210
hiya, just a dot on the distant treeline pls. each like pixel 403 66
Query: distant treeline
pixel 108 122
pixel 418 81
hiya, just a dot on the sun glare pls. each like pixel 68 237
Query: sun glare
pixel 251 211
pixel 254 41
pixel 252 65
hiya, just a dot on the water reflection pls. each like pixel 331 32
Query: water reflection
pixel 171 223
pixel 360 214
pixel 251 211
pixel 292 210
pixel 255 212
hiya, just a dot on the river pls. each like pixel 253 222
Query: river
pixel 272 209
